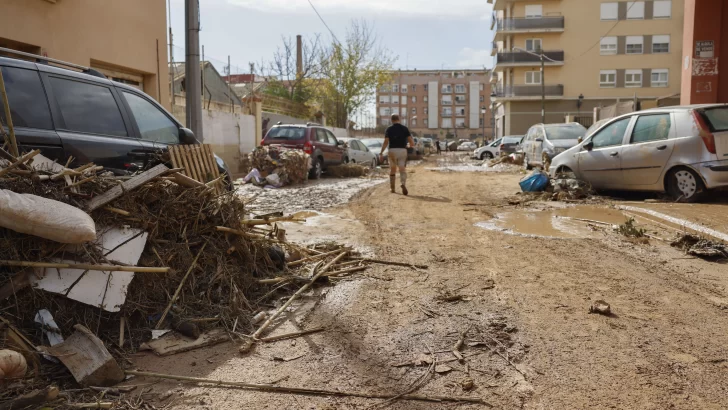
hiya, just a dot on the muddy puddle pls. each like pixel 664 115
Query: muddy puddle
pixel 316 227
pixel 572 222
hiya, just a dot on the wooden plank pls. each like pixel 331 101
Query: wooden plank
pixel 212 158
pixel 194 153
pixel 173 157
pixel 193 170
pixel 207 160
pixel 8 117
pixel 183 160
pixel 128 185
pixel 186 181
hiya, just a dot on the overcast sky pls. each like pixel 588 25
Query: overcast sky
pixel 424 34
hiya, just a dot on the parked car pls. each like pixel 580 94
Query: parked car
pixel 467 146
pixel 375 146
pixel 315 140
pixel 357 152
pixel 544 141
pixel 66 113
pixel 501 146
pixel 682 150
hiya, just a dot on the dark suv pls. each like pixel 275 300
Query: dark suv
pixel 67 113
pixel 314 140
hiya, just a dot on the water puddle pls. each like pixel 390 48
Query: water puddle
pixel 572 222
pixel 322 227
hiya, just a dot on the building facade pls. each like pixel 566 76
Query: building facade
pixel 438 104
pixel 595 53
pixel 124 39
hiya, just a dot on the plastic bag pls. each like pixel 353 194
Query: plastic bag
pixel 46 218
pixel 536 182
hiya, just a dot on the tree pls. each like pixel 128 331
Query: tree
pixel 283 78
pixel 354 69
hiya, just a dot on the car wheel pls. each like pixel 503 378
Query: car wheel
pixel 545 161
pixel 486 155
pixel 317 169
pixel 526 165
pixel 685 184
pixel 374 163
pixel 346 160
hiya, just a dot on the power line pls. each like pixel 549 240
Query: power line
pixel 323 21
pixel 605 34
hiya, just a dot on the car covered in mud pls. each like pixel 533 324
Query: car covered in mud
pixel 680 150
pixel 544 141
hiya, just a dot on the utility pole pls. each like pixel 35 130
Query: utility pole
pixel 193 73
pixel 484 110
pixel 229 76
pixel 171 67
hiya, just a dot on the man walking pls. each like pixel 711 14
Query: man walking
pixel 396 138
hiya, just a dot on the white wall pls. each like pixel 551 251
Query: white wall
pixel 433 104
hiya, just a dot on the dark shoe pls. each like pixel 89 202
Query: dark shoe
pixel 392 179
pixel 404 190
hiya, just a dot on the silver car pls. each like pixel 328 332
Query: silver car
pixel 681 150
pixel 544 141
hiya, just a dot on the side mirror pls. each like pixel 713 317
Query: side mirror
pixel 589 146
pixel 187 137
pixel 340 143
pixel 539 139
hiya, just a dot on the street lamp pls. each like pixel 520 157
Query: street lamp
pixel 543 83
pixel 482 111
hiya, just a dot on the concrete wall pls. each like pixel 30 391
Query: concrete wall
pixel 126 35
pixel 231 135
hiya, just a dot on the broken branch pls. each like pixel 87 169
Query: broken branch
pixel 81 266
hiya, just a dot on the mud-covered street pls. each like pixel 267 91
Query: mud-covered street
pixel 509 287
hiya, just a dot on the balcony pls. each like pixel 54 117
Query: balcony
pixel 446 102
pixel 494 48
pixel 529 25
pixel 501 4
pixel 524 59
pixel 528 92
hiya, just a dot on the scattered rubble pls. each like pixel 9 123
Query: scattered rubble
pixel 290 166
pixel 600 307
pixel 701 247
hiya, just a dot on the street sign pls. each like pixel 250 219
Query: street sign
pixel 705 49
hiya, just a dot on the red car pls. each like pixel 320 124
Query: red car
pixel 315 140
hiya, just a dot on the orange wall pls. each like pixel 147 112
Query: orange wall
pixel 128 34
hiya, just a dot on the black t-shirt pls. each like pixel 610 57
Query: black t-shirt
pixel 398 135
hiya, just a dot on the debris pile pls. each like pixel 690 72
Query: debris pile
pixel 290 166
pixel 571 189
pixel 701 247
pixel 347 171
pixel 515 159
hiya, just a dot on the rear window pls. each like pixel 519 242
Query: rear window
pixel 287 133
pixel 717 118
pixel 565 132
pixel 511 140
pixel 28 103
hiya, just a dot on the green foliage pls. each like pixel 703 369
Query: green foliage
pixel 629 230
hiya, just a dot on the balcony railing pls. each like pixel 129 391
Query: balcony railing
pixel 518 57
pixel 533 24
pixel 511 91
pixel 446 102
pixel 460 101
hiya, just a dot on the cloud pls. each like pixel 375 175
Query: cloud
pixel 408 8
pixel 474 58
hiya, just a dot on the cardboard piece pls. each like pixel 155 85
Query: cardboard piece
pixel 103 289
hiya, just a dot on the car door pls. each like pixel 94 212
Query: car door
pixel 358 151
pixel 91 124
pixel 323 145
pixel 527 141
pixel 537 145
pixel 154 128
pixel 601 165
pixel 649 148
pixel 30 112
pixel 337 152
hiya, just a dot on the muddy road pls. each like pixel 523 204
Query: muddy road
pixel 516 292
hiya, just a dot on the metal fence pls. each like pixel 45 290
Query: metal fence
pixel 523 57
pixel 530 23
pixel 529 90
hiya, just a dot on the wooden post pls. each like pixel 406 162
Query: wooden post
pixel 8 117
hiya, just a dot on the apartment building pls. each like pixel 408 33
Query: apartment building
pixel 438 104
pixel 595 52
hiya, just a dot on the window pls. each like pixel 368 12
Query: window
pixel 426 111
pixel 608 46
pixel 395 110
pixel 480 124
pixel 153 124
pixel 612 134
pixel 634 44
pixel 414 122
pixel 659 78
pixel 414 99
pixel 661 44
pixel 404 121
pixel 651 128
pixel 385 111
pixel 534 11
pixel 404 100
pixel 607 78
pixel 424 99
pixel 331 137
pixel 447 88
pixel 460 123
pixel 460 112
pixel 385 121
pixel 88 108
pixel 662 9
pixel 447 123
pixel 447 100
pixel 395 99
pixel 321 136
pixel 395 88
pixel 533 77
pixel 28 102
pixel 482 98
pixel 384 89
pixel 424 87
pixel 460 88
pixel 414 87
pixel 533 44
pixel 481 87
pixel 633 78
pixel 425 122
pixel 459 99
pixel 414 111
pixel 635 10
pixel 383 99
pixel 404 88
pixel 609 11
pixel 447 111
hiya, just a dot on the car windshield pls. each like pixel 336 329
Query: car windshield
pixel 564 132
pixel 496 142
pixel 372 143
pixel 287 133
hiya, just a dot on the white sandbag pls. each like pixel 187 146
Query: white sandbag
pixel 45 218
